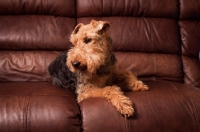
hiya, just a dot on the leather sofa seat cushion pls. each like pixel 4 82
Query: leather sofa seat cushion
pixel 37 106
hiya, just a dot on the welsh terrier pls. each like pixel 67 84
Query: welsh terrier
pixel 92 62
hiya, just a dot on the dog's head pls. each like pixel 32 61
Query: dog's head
pixel 91 47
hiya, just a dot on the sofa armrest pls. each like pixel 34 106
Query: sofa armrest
pixel 167 106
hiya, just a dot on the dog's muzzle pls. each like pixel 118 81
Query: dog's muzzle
pixel 79 66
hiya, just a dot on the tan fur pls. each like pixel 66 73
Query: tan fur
pixel 94 63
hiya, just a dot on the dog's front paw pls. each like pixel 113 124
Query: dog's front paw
pixel 124 106
pixel 140 86
pixel 127 109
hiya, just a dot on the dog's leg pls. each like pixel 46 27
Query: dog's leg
pixel 127 81
pixel 111 93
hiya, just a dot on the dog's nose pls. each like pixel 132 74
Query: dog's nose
pixel 76 64
pixel 79 66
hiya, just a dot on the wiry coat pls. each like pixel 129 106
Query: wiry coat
pixel 60 74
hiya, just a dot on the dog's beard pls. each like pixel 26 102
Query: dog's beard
pixel 94 62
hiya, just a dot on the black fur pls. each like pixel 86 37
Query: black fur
pixel 60 74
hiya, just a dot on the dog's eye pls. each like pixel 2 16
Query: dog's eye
pixel 87 40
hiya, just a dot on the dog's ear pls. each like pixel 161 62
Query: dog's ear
pixel 94 23
pixel 76 29
pixel 103 27
pixel 73 39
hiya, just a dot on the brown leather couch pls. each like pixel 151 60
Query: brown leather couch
pixel 157 40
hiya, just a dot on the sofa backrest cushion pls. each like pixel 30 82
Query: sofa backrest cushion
pixel 154 39
pixel 30 32
pixel 189 23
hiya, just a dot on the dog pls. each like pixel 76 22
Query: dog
pixel 93 67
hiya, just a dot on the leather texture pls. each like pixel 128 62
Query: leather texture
pixel 136 8
pixel 159 41
pixel 35 32
pixel 40 7
pixel 37 106
pixel 25 65
pixel 168 106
